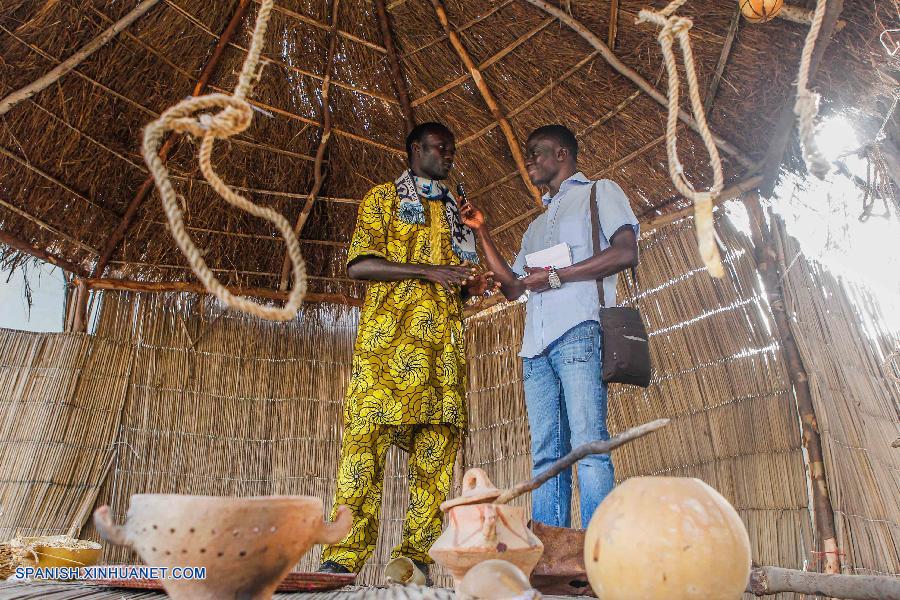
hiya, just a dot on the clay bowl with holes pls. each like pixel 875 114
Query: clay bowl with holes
pixel 248 545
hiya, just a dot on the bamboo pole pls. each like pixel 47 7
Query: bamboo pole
pixel 144 191
pixel 632 75
pixel 128 285
pixel 769 267
pixel 73 61
pixel 488 96
pixel 772 580
pixel 397 80
pixel 318 175
pixel 787 122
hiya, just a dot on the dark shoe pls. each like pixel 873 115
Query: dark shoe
pixel 424 568
pixel 329 566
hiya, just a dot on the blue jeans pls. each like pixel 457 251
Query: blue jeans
pixel 566 400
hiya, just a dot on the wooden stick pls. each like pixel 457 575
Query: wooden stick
pixel 632 75
pixel 512 142
pixel 275 60
pixel 768 266
pixel 772 580
pixel 144 191
pixel 324 27
pixel 127 285
pixel 787 121
pixel 398 82
pixel 723 60
pixel 544 91
pixel 729 193
pixel 70 63
pixel 487 63
pixel 38 171
pixel 44 225
pixel 22 246
pixel 613 23
pixel 595 447
pixel 318 175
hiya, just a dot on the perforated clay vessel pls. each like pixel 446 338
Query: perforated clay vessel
pixel 248 545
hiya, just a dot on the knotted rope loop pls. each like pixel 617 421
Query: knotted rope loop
pixel 676 27
pixel 192 116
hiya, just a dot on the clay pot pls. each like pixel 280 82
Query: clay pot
pixel 657 538
pixel 480 532
pixel 248 545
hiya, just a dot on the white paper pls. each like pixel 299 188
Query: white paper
pixel 558 256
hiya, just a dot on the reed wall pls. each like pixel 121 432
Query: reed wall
pixel 173 395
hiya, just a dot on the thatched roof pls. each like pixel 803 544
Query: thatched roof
pixel 70 164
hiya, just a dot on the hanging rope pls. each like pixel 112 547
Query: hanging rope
pixel 679 27
pixel 235 117
pixel 806 106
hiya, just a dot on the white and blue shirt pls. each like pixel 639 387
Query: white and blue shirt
pixel 550 314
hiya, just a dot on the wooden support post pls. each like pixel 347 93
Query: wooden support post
pixel 318 175
pixel 397 80
pixel 126 285
pixel 633 75
pixel 803 16
pixel 768 265
pixel 787 122
pixel 79 324
pixel 493 106
pixel 73 61
pixel 144 191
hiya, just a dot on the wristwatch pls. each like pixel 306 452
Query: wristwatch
pixel 553 279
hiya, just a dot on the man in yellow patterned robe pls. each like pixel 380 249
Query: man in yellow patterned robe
pixel 408 379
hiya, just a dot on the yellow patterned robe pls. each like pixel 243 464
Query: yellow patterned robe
pixel 409 360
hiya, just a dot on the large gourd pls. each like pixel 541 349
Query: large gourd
pixel 760 11
pixel 671 538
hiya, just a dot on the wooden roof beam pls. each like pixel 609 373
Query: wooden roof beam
pixel 488 97
pixel 77 58
pixel 22 246
pixel 787 121
pixel 723 60
pixel 632 75
pixel 398 82
pixel 128 285
pixel 325 27
pixel 487 63
pixel 318 175
pixel 144 191
pixel 275 61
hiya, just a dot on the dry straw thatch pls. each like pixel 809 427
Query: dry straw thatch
pixel 70 169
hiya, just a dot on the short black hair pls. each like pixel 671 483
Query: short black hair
pixel 560 134
pixel 420 131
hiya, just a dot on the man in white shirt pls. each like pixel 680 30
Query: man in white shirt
pixel 561 353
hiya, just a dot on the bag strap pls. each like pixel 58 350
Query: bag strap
pixel 596 230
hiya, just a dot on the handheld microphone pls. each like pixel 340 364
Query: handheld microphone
pixel 461 192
